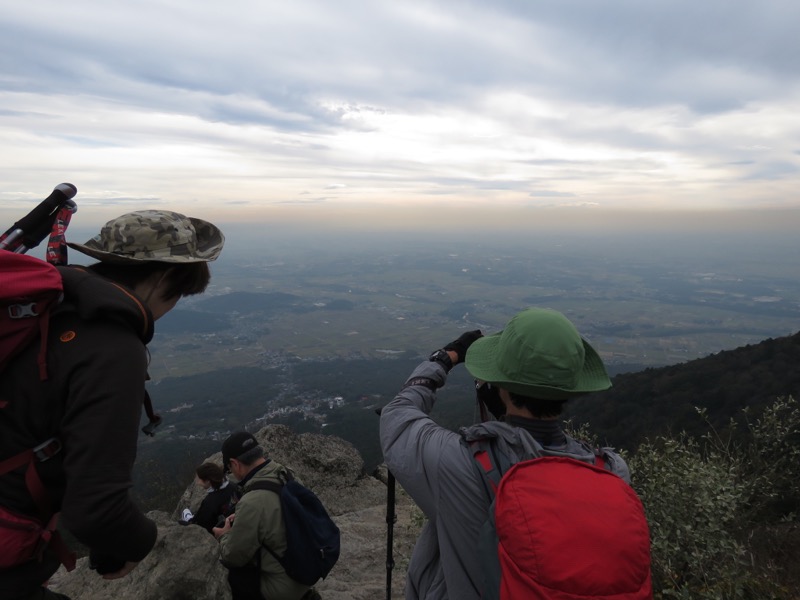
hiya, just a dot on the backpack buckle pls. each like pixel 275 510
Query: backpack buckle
pixel 22 311
pixel 47 449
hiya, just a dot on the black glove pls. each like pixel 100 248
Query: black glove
pixel 461 345
pixel 104 563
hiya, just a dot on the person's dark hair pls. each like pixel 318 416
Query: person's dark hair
pixel 251 456
pixel 212 472
pixel 539 408
pixel 184 279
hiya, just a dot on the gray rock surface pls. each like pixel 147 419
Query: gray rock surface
pixel 184 563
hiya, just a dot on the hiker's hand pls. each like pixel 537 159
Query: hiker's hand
pixel 129 566
pixel 226 527
pixel 105 564
pixel 460 346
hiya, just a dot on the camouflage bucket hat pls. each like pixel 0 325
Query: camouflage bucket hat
pixel 154 235
pixel 539 354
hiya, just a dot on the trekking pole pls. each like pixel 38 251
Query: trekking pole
pixel 391 519
pixel 31 229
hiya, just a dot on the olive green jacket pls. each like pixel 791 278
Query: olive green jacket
pixel 259 525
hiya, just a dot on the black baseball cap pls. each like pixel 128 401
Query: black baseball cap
pixel 236 445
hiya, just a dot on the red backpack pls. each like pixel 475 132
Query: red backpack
pixel 30 289
pixel 561 529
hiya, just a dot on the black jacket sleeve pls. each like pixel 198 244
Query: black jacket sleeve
pixel 100 430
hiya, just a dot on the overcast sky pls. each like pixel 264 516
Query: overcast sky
pixel 251 107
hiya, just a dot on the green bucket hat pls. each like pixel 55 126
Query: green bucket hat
pixel 539 354
pixel 154 236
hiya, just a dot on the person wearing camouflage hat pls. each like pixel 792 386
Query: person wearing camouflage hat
pixel 91 403
pixel 159 254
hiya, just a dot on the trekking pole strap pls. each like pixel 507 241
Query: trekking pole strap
pixel 57 244
pixel 153 417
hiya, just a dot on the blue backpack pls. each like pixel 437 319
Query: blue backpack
pixel 312 538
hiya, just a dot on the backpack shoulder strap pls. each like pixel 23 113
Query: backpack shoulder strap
pixel 600 459
pixel 285 476
pixel 491 463
pixel 272 486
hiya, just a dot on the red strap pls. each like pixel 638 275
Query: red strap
pixel 599 459
pixel 33 482
pixel 57 245
pixel 50 537
pixel 58 546
pixel 15 462
pixel 485 461
pixel 37 489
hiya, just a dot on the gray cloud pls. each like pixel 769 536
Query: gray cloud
pixel 562 97
pixel 550 194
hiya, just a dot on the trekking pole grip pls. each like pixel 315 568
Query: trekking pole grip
pixel 31 229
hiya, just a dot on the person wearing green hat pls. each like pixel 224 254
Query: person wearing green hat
pixel 82 416
pixel 523 376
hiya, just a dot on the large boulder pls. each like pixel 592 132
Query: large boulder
pixel 328 465
pixel 183 565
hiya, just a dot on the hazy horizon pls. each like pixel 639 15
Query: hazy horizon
pixel 436 218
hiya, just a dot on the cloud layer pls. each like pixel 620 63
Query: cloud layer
pixel 247 105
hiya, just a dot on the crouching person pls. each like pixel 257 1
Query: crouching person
pixel 218 501
pixel 254 536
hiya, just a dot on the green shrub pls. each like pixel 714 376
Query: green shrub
pixel 772 463
pixel 691 503
pixel 709 501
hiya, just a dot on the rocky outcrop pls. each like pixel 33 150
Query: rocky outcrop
pixel 184 563
pixel 330 466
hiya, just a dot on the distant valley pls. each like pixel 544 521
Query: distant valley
pixel 321 340
pixel 638 309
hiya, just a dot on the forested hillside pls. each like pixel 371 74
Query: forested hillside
pixel 664 400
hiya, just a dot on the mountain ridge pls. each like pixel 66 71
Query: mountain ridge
pixel 664 400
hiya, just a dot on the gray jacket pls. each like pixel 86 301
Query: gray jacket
pixel 437 470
